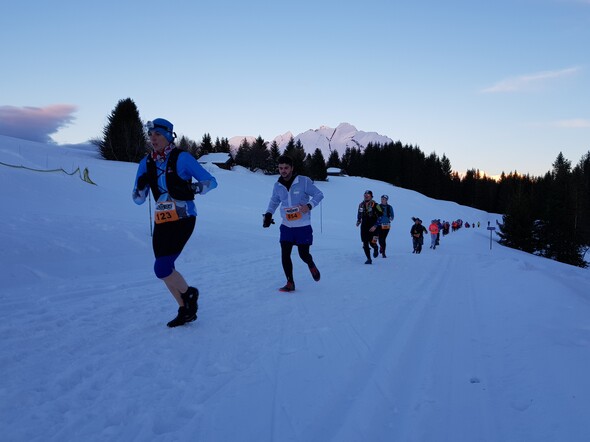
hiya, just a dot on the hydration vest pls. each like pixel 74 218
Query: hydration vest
pixel 177 188
pixel 370 210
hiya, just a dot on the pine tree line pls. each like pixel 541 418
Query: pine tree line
pixel 258 156
pixel 548 216
pixel 206 146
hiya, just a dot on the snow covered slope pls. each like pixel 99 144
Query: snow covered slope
pixel 462 343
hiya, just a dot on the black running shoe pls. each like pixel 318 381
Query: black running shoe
pixel 182 318
pixel 368 261
pixel 289 287
pixel 190 298
pixel 315 273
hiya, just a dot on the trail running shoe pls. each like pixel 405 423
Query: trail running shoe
pixel 315 273
pixel 289 287
pixel 182 318
pixel 190 298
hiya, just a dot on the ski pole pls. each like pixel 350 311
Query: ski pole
pixel 150 209
pixel 321 218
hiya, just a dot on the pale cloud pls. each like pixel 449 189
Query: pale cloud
pixel 35 123
pixel 575 123
pixel 525 82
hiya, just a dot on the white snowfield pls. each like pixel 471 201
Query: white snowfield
pixel 462 343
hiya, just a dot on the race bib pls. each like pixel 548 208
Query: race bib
pixel 385 226
pixel 292 213
pixel 166 212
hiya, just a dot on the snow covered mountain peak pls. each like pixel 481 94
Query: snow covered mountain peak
pixel 326 138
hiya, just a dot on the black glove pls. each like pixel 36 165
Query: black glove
pixel 197 187
pixel 142 181
pixel 267 220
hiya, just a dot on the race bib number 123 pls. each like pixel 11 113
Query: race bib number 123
pixel 166 212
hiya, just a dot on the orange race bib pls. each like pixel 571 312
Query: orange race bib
pixel 385 226
pixel 292 213
pixel 166 212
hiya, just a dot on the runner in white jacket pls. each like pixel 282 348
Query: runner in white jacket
pixel 297 195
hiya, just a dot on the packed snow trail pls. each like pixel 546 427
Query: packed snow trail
pixel 462 343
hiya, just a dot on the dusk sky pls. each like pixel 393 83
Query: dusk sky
pixel 498 86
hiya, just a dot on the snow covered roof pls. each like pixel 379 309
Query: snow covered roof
pixel 333 171
pixel 215 158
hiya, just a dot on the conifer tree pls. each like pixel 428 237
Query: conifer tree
pixel 273 158
pixel 259 155
pixel 352 161
pixel 183 143
pixel 221 145
pixel 518 228
pixel 194 149
pixel 307 164
pixel 559 233
pixel 289 147
pixel 446 168
pixel 243 155
pixel 445 182
pixel 296 151
pixel 317 166
pixel 124 137
pixel 582 198
pixel 371 163
pixel 206 146
pixel 334 159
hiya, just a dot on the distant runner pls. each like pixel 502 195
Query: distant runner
pixel 385 223
pixel 367 216
pixel 417 232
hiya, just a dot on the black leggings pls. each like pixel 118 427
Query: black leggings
pixel 286 248
pixel 382 237
pixel 367 239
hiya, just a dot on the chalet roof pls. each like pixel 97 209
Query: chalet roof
pixel 215 158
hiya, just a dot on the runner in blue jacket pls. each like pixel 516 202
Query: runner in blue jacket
pixel 167 172
pixel 385 222
pixel 297 196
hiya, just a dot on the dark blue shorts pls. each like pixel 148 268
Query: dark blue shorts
pixel 297 235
